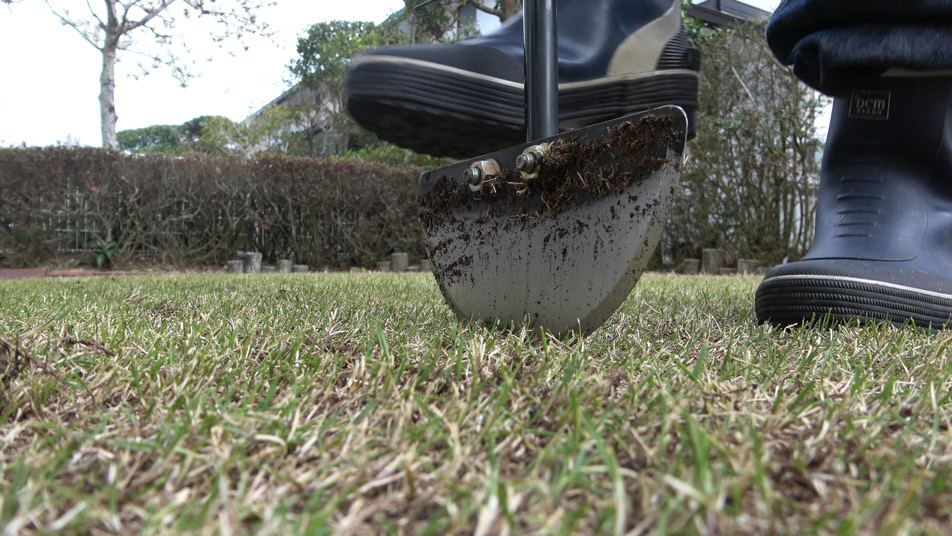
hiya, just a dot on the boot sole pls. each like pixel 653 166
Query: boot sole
pixel 804 299
pixel 440 110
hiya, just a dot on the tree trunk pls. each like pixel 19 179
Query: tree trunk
pixel 107 95
pixel 107 79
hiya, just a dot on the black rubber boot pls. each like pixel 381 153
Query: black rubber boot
pixel 466 99
pixel 883 248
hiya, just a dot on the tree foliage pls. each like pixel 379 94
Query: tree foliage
pixel 751 175
pixel 148 29
pixel 444 20
pixel 155 139
pixel 195 135
pixel 324 54
pixel 503 9
pixel 436 22
pixel 327 48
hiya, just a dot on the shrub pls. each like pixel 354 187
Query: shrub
pixel 201 209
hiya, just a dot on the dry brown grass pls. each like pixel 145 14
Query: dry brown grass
pixel 356 404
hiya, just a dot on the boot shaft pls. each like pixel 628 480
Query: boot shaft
pixel 886 184
pixel 597 16
pixel 607 37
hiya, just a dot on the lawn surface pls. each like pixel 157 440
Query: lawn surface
pixel 357 404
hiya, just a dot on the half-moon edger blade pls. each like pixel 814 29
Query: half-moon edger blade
pixel 554 234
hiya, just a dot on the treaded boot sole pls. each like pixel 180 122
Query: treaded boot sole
pixel 802 299
pixel 439 110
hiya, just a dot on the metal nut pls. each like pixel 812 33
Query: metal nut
pixel 490 167
pixel 529 162
pixel 476 174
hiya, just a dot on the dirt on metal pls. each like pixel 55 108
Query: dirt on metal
pixel 573 169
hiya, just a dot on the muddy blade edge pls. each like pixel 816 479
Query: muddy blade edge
pixel 561 251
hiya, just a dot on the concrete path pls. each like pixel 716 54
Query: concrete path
pixel 20 273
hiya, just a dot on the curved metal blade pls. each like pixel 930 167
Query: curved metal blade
pixel 561 251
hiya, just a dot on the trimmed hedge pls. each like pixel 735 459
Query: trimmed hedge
pixel 202 209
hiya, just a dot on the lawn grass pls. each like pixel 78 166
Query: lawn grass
pixel 357 404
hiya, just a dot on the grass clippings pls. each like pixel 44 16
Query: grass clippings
pixel 357 404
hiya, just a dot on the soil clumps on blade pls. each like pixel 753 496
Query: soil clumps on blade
pixel 574 169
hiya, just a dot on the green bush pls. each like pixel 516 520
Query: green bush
pixel 201 209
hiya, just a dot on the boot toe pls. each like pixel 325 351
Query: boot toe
pixel 473 59
pixel 846 290
pixel 444 100
pixel 466 100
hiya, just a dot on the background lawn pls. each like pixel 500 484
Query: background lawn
pixel 357 404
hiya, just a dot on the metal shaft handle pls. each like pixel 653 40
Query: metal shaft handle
pixel 542 69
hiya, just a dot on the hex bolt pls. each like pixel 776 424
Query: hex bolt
pixel 473 176
pixel 529 162
pixel 526 163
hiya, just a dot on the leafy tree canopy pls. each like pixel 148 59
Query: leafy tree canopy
pixel 327 48
pixel 192 136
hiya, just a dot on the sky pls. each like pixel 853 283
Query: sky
pixel 50 90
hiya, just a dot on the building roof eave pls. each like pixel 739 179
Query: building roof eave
pixel 728 13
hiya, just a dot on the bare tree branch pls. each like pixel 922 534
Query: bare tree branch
pixel 93 13
pixel 751 182
pixel 740 80
pixel 489 10
pixel 150 14
pixel 154 21
pixel 503 10
pixel 75 25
